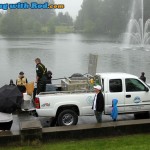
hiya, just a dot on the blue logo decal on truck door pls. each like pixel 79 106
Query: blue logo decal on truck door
pixel 89 100
pixel 137 99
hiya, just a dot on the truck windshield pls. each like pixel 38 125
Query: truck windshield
pixel 134 85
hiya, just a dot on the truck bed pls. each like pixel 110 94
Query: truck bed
pixel 64 92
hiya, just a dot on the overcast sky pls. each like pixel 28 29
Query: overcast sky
pixel 71 6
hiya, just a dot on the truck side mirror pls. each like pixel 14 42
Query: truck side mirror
pixel 146 89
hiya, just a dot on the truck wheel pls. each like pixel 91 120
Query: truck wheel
pixel 67 117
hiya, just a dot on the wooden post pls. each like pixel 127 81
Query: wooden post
pixel 92 64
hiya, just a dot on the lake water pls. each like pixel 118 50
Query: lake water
pixel 65 54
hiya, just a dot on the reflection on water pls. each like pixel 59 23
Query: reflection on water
pixel 65 54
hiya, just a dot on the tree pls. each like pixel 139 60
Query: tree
pixel 28 20
pixel 64 19
pixel 12 23
pixel 103 16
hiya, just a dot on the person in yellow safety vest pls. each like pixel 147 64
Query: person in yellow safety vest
pixel 21 82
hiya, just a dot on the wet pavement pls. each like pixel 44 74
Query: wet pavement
pixel 25 115
pixel 45 121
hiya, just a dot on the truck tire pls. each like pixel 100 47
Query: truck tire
pixel 67 117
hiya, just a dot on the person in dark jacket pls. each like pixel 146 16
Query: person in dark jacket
pixel 142 77
pixel 41 72
pixel 49 77
pixel 98 103
pixel 6 121
pixel 11 83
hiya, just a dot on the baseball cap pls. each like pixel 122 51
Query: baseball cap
pixel 98 87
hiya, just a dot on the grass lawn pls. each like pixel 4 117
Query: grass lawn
pixel 64 29
pixel 131 142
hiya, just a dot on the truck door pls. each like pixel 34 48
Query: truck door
pixel 137 96
pixel 115 90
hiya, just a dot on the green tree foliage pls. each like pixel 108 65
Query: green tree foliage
pixel 102 16
pixel 27 21
pixel 106 16
pixel 12 23
pixel 51 25
pixel 146 10
pixel 33 21
pixel 64 19
pixel 1 17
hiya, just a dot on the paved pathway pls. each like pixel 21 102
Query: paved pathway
pixel 45 121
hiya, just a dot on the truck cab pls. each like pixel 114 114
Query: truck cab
pixel 132 93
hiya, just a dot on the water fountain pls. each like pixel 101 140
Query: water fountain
pixel 138 32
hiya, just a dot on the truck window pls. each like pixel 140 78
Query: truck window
pixel 115 85
pixel 134 85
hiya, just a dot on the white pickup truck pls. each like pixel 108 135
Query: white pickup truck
pixel 133 97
